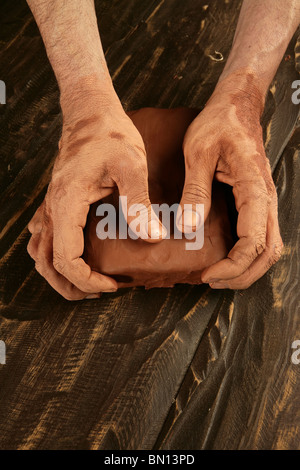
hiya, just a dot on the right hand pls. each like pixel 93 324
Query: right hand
pixel 100 150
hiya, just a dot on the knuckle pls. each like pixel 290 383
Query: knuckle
pixel 195 192
pixel 259 244
pixel 198 152
pixel 277 251
pixel 59 262
pixel 138 197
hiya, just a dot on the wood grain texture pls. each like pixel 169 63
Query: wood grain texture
pixel 180 368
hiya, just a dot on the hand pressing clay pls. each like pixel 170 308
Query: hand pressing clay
pixel 137 262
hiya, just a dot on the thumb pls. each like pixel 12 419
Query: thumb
pixel 137 210
pixel 195 202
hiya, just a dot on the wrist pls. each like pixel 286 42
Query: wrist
pixel 242 87
pixel 88 96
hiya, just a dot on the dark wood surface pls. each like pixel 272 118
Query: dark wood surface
pixel 180 368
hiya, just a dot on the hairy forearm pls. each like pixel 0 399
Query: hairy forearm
pixel 263 32
pixel 71 37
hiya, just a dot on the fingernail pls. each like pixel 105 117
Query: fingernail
pixel 155 229
pixel 92 296
pixel 210 280
pixel 189 220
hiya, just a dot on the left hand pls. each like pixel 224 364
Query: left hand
pixel 225 142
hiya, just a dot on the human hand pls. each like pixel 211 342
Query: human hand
pixel 225 141
pixel 100 150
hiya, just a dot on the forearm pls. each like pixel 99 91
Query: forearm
pixel 71 37
pixel 263 32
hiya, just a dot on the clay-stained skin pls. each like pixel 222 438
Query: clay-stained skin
pixel 135 262
pixel 226 138
pixel 95 166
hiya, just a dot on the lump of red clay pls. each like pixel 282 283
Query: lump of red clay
pixel 137 262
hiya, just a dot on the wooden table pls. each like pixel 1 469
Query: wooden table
pixel 180 368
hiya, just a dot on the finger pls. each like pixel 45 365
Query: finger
pixel 35 224
pixel 262 263
pixel 69 219
pixel 136 206
pixel 40 249
pixel 252 203
pixel 42 246
pixel 196 192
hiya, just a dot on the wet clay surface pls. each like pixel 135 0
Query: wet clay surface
pixel 175 368
pixel 136 262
